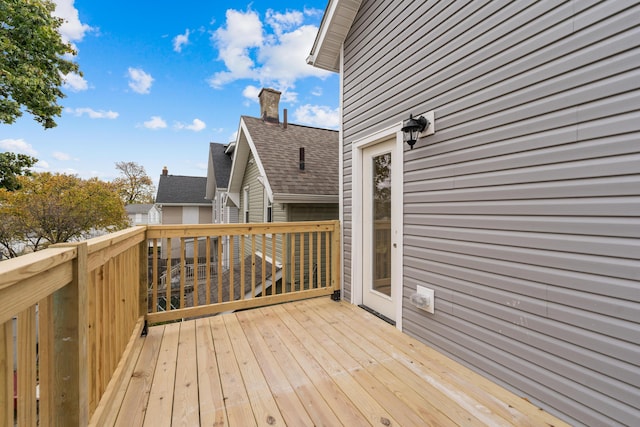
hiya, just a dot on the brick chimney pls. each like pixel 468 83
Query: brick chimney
pixel 165 171
pixel 269 105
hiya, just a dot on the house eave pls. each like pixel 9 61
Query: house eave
pixel 206 204
pixel 336 23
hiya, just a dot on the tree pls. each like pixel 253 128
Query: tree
pixel 134 185
pixel 10 236
pixel 12 166
pixel 32 64
pixel 55 208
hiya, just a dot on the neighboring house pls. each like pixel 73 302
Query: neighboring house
pixel 521 211
pixel 218 172
pixel 143 214
pixel 282 172
pixel 181 200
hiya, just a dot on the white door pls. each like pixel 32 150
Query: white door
pixel 377 245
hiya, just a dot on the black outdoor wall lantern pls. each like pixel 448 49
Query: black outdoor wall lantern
pixel 412 127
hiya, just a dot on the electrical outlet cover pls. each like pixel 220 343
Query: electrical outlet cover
pixel 429 294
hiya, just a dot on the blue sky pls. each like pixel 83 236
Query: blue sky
pixel 161 80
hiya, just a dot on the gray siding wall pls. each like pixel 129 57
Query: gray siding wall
pixel 313 212
pixel 523 210
pixel 256 193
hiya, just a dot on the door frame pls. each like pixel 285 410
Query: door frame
pixel 397 196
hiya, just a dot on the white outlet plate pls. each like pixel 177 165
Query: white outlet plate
pixel 429 294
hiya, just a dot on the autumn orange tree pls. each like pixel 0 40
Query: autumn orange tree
pixel 134 185
pixel 54 208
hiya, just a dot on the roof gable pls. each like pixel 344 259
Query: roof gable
pixel 219 169
pixel 276 149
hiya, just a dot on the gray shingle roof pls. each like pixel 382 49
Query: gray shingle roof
pixel 221 164
pixel 179 189
pixel 138 208
pixel 279 151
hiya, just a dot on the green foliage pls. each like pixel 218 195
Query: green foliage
pixel 55 208
pixel 32 64
pixel 12 166
pixel 134 185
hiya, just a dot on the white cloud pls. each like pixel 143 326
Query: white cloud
pixel 197 125
pixel 281 22
pixel 41 166
pixel 242 32
pixel 58 155
pixel 180 40
pixel 318 115
pixel 71 30
pixel 156 122
pixel 317 91
pixel 93 114
pixel 284 61
pixel 251 93
pixel 139 81
pixel 74 82
pixel 272 53
pixel 18 146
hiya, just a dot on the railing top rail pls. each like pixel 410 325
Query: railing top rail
pixel 202 230
pixel 15 270
pixel 27 279
pixel 102 242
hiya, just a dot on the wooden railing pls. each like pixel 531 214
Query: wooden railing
pixel 71 315
pixel 238 266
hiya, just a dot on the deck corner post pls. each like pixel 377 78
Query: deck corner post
pixel 70 359
pixel 6 374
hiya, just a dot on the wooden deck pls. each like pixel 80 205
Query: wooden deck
pixel 312 362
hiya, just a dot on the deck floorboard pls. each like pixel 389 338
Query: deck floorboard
pixel 312 362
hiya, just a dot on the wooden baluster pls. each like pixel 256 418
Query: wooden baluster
pixel 183 272
pixel 242 267
pixel 168 272
pixel 253 266
pixel 219 272
pixel 274 238
pixel 208 272
pixel 195 272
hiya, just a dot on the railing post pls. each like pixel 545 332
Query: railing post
pixel 143 280
pixel 70 329
pixel 6 374
pixel 336 255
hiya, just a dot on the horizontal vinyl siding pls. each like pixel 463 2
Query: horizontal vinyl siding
pixel 279 211
pixel 313 212
pixel 172 214
pixel 523 210
pixel 256 193
pixel 206 214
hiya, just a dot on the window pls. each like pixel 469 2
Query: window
pixel 268 212
pixel 245 204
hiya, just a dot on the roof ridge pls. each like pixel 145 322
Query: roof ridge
pixel 293 124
